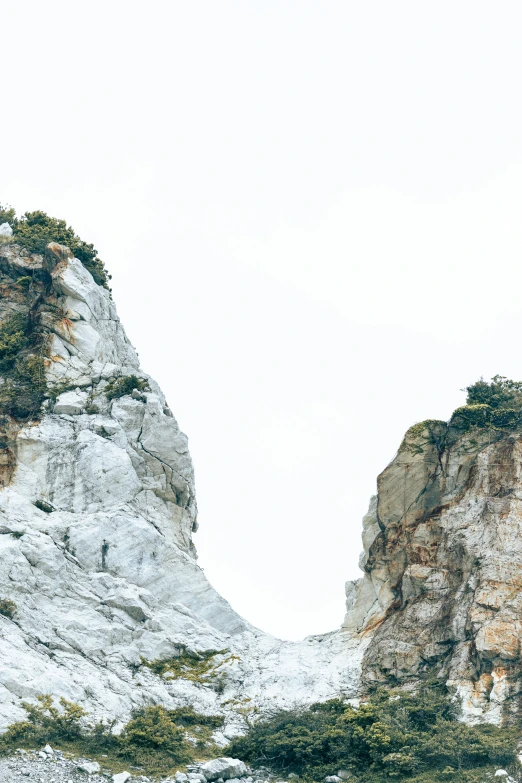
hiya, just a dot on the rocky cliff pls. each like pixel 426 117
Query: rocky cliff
pixel 441 595
pixel 101 597
pixel 97 514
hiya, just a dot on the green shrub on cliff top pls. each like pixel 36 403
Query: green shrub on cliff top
pixel 34 230
pixel 499 393
pixel 497 404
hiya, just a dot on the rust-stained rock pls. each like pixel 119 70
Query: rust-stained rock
pixel 444 573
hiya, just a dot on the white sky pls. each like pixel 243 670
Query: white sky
pixel 312 214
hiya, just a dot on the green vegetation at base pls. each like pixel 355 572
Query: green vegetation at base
pixel 410 737
pixel 34 230
pixel 156 739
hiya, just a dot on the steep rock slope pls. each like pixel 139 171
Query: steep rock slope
pixel 441 596
pixel 98 510
pixel 97 513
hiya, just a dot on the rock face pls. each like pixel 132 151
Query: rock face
pixel 97 514
pixel 98 510
pixel 441 595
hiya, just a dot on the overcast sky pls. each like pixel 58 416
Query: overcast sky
pixel 312 214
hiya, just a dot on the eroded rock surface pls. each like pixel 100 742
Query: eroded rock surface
pixel 98 511
pixel 441 595
pixel 97 514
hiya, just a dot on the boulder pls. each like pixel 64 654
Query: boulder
pixel 70 403
pixel 89 767
pixel 6 230
pixel 225 768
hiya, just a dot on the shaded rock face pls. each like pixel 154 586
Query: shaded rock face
pixel 97 514
pixel 441 595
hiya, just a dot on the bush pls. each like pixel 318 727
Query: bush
pixel 22 392
pixel 496 405
pixel 7 215
pixel 499 393
pixel 156 738
pixel 201 668
pixel 119 387
pixel 392 735
pixel 13 339
pixel 34 230
pixel 7 608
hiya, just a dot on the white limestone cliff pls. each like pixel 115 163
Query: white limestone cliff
pixel 97 514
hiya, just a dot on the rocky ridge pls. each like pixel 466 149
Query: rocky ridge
pixel 97 515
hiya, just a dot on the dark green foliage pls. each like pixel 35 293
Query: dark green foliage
pixel 205 668
pixel 119 387
pixel 43 505
pixel 496 405
pixel 155 739
pixel 393 735
pixel 153 736
pixel 7 214
pixel 22 393
pixel 34 230
pixel 499 393
pixel 46 723
pixel 186 716
pixel 14 337
pixel 476 415
pixel 7 608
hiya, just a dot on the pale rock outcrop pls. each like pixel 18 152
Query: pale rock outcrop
pixel 96 522
pixel 97 514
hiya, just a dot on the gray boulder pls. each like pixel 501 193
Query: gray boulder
pixel 89 767
pixel 224 768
